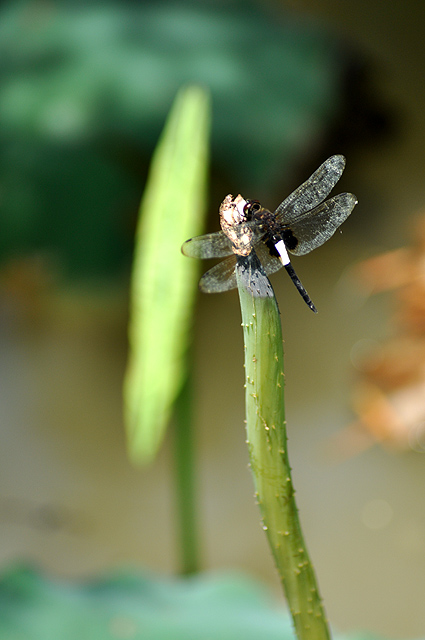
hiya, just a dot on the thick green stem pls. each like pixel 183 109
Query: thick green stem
pixel 267 442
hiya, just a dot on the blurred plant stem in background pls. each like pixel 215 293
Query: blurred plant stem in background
pixel 190 558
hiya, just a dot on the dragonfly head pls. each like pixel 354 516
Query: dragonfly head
pixel 251 208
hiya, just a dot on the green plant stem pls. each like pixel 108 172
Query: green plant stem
pixel 267 443
pixel 184 464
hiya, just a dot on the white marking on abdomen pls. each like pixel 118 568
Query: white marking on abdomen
pixel 281 249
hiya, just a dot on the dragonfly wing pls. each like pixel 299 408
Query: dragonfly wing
pixel 315 227
pixel 212 245
pixel 268 258
pixel 221 277
pixel 312 192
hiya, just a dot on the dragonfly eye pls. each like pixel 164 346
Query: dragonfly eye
pixel 251 207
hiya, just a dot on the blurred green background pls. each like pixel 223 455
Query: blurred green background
pixel 84 91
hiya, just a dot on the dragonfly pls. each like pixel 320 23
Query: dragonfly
pixel 259 240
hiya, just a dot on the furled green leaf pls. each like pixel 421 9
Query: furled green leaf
pixel 163 281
